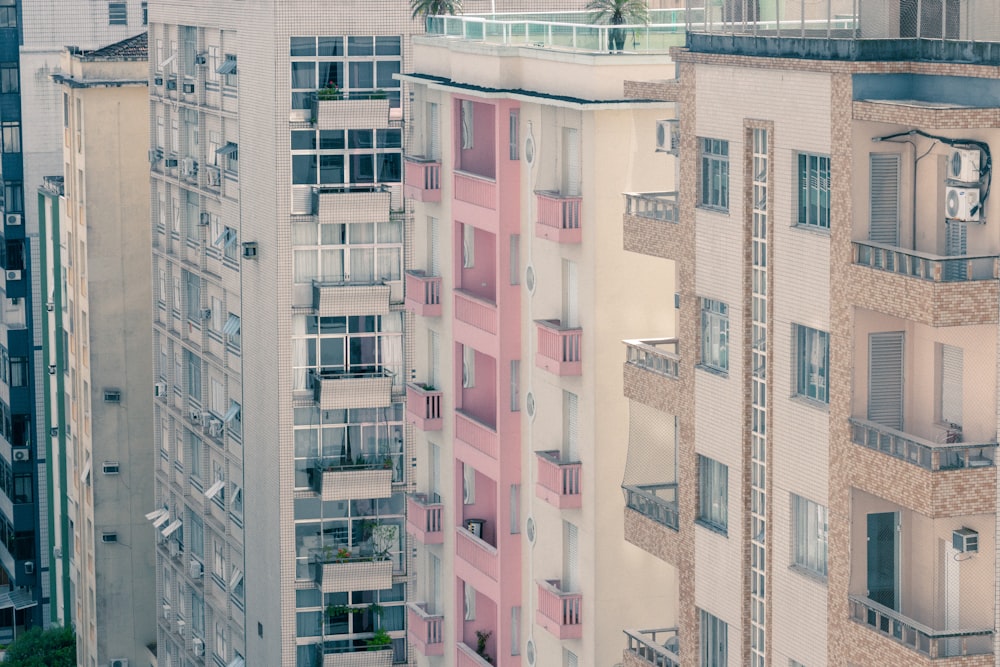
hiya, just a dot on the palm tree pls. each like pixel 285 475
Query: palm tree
pixel 428 8
pixel 618 12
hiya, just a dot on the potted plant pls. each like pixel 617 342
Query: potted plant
pixel 380 640
pixel 481 639
pixel 330 92
pixel 618 12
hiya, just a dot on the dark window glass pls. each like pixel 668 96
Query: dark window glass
pixel 362 169
pixel 331 169
pixel 360 46
pixel 303 169
pixel 331 46
pixel 331 139
pixel 387 46
pixel 303 46
pixel 359 139
pixel 303 140
pixel 388 138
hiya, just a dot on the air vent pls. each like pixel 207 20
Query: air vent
pixel 529 652
pixel 529 404
pixel 111 467
pixel 112 396
pixel 109 538
pixel 529 529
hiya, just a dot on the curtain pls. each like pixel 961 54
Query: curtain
pixel 392 347
pixel 305 263
pixel 362 265
pixel 300 353
pixel 332 265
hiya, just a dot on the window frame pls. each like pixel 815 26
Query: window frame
pixel 713 494
pixel 813 191
pixel 810 554
pixel 715 655
pixel 713 175
pixel 117 13
pixel 806 339
pixel 714 335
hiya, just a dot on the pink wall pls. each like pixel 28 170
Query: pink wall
pixel 479 401
pixel 480 279
pixel 486 620
pixel 485 506
pixel 481 158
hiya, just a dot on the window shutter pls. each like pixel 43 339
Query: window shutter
pixel 884 198
pixel 570 556
pixel 571 148
pixel 885 379
pixel 434 131
pixel 951 384
pixel 435 465
pixel 434 352
pixel 434 231
pixel 571 403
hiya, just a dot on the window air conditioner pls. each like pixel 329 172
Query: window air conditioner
pixel 250 250
pixel 160 389
pixel 198 647
pixel 962 204
pixel 194 415
pixel 668 136
pixel 965 540
pixel 964 165
pixel 21 454
pixel 157 80
pixel 195 568
pixel 189 88
pixel 13 274
pixel 204 219
pixel 109 537
pixel 170 163
pixel 215 428
pixel 112 396
pixel 118 662
pixel 189 166
pixel 155 154
pixel 171 84
pixel 13 219
pixel 166 611
pixel 214 175
pixel 206 314
pixel 29 567
pixel 111 467
pixel 200 59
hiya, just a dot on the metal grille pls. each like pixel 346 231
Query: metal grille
pixel 651 446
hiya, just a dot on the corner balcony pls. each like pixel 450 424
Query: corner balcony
pixel 479 554
pixel 953 477
pixel 651 373
pixel 559 612
pixel 343 299
pixel 652 520
pixel 348 573
pixel 931 289
pixel 359 658
pixel 655 501
pixel 426 630
pixel 338 110
pixel 558 481
pixel 422 179
pixel 423 407
pixel 340 391
pixel 925 645
pixel 423 294
pixel 650 224
pixel 423 519
pixel 560 348
pixel 659 647
pixel 558 217
pixel 336 481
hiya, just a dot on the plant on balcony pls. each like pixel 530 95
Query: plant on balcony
pixel 330 92
pixel 481 639
pixel 428 8
pixel 380 640
pixel 618 12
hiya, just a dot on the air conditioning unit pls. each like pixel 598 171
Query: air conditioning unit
pixel 194 415
pixel 118 662
pixel 157 80
pixel 200 59
pixel 962 204
pixel 170 163
pixel 29 567
pixel 204 219
pixel 206 314
pixel 195 568
pixel 965 540
pixel 189 167
pixel 155 154
pixel 964 165
pixel 21 454
pixel 214 176
pixel 189 88
pixel 13 274
pixel 215 428
pixel 112 396
pixel 181 624
pixel 13 219
pixel 110 537
pixel 198 647
pixel 171 84
pixel 111 467
pixel 250 250
pixel 668 136
pixel 166 611
pixel 299 115
pixel 160 389
pixel 174 548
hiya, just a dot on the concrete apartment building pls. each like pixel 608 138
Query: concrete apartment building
pixel 94 228
pixel 522 145
pixel 834 382
pixel 33 35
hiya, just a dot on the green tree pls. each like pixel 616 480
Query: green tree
pixel 55 647
pixel 618 12
pixel 426 8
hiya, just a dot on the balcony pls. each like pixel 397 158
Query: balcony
pixel 353 574
pixel 933 456
pixel 426 630
pixel 422 179
pixel 347 482
pixel 650 224
pixel 340 391
pixel 359 658
pixel 339 110
pixel 476 190
pixel 346 204
pixel 558 217
pixel 482 556
pixel 475 311
pixel 930 643
pixel 559 612
pixel 341 299
pixel 423 519
pixel 423 407
pixel 559 348
pixel 655 501
pixel 931 289
pixel 477 443
pixel 659 647
pixel 659 206
pixel 423 294
pixel 466 656
pixel 658 355
pixel 558 481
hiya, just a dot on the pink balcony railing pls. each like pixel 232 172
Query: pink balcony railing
pixel 422 179
pixel 559 348
pixel 558 217
pixel 477 434
pixel 476 190
pixel 423 519
pixel 423 407
pixel 477 553
pixel 476 312
pixel 559 612
pixel 466 656
pixel 425 629
pixel 558 481
pixel 423 294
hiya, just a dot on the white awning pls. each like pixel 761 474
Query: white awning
pixel 232 325
pixel 162 519
pixel 169 60
pixel 85 473
pixel 19 599
pixel 227 150
pixel 213 490
pixel 172 528
pixel 238 661
pixel 156 514
pixel 234 409
pixel 237 577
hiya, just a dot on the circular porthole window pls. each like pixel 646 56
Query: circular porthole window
pixel 529 279
pixel 529 529
pixel 529 652
pixel 529 150
pixel 529 404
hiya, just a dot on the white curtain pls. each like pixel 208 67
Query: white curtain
pixel 332 265
pixel 392 346
pixel 300 353
pixel 306 268
pixel 362 265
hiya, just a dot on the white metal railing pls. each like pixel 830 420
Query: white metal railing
pixel 949 455
pixel 652 205
pixel 656 501
pixel 654 354
pixel 926 266
pixel 917 636
pixel 654 649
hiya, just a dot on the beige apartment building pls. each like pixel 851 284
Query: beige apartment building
pixel 834 383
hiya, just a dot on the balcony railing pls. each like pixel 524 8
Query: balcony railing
pixel 424 518
pixel 560 348
pixel 478 435
pixel 654 354
pixel 655 501
pixel 925 266
pixel 660 206
pixel 423 407
pixel 476 311
pixel 477 552
pixel 559 217
pixel 558 481
pixel 929 455
pixel 917 636
pixel 474 189
pixel 659 647
pixel 422 179
pixel 426 630
pixel 338 391
pixel 423 294
pixel 466 656
pixel 559 612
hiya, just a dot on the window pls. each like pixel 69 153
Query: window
pixel 228 70
pixel 145 13
pixel 470 601
pixel 713 640
pixel 234 419
pixel 714 174
pixel 466 112
pixel 192 286
pixel 713 493
pixel 10 137
pixel 809 535
pixel 515 117
pixel 715 335
pixel 18 372
pixel 13 197
pixel 231 330
pixel 338 346
pixel 8 14
pixel 336 157
pixel 230 154
pixel 812 359
pixel 950 386
pixel 197 456
pixel 814 190
pixel 194 375
pixel 196 536
pixel 10 80
pixel 468 246
pixel 358 66
pixel 117 13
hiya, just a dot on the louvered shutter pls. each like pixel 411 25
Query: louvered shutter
pixel 433 227
pixel 570 556
pixel 434 351
pixel 884 198
pixel 885 379
pixel 951 384
pixel 434 131
pixel 956 245
pixel 571 148
pixel 572 426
